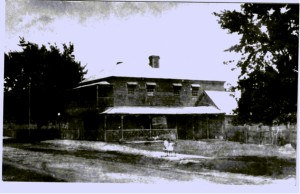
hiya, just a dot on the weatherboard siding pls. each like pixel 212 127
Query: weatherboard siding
pixel 163 93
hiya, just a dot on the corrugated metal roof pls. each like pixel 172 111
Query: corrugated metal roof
pixel 223 101
pixel 145 71
pixel 163 110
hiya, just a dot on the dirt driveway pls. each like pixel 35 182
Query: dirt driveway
pixel 83 161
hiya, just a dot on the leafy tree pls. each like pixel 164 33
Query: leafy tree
pixel 269 61
pixel 35 81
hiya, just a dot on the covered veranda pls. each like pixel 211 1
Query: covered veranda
pixel 149 123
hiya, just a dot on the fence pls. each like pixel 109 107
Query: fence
pixel 140 134
pixel 93 135
pixel 263 135
pixel 31 132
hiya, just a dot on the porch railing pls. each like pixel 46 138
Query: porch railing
pixel 140 134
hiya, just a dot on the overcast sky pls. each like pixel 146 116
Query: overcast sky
pixel 186 36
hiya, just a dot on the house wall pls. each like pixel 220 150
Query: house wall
pixel 92 96
pixel 164 92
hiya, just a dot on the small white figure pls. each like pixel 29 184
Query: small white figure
pixel 168 147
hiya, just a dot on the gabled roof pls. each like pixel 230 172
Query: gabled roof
pixel 145 71
pixel 223 100
pixel 162 110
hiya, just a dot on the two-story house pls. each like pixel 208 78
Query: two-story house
pixel 144 103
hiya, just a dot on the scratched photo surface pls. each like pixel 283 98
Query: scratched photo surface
pixel 168 96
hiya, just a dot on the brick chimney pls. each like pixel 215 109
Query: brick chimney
pixel 154 61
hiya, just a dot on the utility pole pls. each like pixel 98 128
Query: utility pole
pixel 29 111
pixel 97 96
pixel 58 118
pixel 29 105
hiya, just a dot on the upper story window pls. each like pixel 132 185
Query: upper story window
pixel 131 86
pixel 130 89
pixel 195 89
pixel 105 89
pixel 150 88
pixel 177 88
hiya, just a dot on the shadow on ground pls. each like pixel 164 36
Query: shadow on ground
pixel 12 173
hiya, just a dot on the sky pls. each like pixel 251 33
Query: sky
pixel 186 36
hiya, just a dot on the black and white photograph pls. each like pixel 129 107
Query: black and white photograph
pixel 149 96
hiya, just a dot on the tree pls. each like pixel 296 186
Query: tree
pixel 35 81
pixel 269 61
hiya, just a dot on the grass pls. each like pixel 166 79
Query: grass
pixel 220 148
pixel 257 160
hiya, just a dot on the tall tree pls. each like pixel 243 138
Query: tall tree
pixel 269 61
pixel 35 81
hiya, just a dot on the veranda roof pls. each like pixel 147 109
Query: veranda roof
pixel 102 83
pixel 137 110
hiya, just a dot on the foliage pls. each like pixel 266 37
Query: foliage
pixel 269 61
pixel 35 80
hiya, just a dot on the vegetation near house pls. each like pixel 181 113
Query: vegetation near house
pixel 35 80
pixel 269 62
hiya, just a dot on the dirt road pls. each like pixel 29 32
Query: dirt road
pixel 53 162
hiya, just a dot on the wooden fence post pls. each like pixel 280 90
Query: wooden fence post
pixel 150 126
pixel 122 117
pixel 105 129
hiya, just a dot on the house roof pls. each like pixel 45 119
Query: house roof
pixel 163 110
pixel 145 71
pixel 223 100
